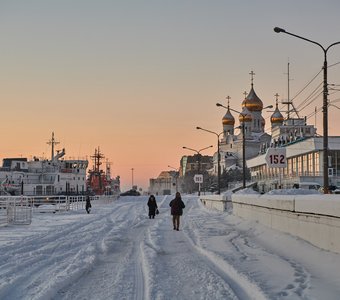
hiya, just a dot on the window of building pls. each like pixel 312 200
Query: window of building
pixel 310 166
pixel 317 163
pixel 304 165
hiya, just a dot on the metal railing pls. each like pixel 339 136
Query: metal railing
pixel 3 211
pixel 16 210
pixel 19 209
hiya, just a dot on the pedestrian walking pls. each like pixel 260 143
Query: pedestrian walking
pixel 88 204
pixel 177 206
pixel 153 208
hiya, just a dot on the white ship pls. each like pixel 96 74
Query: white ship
pixel 37 177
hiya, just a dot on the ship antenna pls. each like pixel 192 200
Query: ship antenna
pixel 52 142
pixel 97 157
pixel 290 102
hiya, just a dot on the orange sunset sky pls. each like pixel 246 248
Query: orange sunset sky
pixel 135 78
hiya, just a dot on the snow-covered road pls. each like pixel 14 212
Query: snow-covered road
pixel 117 252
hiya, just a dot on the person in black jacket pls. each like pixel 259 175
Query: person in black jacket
pixel 152 204
pixel 88 204
pixel 177 206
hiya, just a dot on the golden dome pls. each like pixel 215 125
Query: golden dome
pixel 252 101
pixel 276 117
pixel 228 119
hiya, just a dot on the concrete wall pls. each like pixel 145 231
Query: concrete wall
pixel 314 218
pixel 219 202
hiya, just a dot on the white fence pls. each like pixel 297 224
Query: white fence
pixel 19 209
pixel 15 210
pixel 51 204
pixel 3 212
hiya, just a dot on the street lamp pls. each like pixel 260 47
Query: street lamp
pixel 176 175
pixel 199 159
pixel 243 141
pixel 218 157
pixel 199 154
pixel 324 105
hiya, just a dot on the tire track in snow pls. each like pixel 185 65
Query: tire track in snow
pixel 111 278
pixel 36 260
pixel 68 251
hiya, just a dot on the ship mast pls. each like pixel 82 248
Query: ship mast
pixel 52 142
pixel 96 173
pixel 97 160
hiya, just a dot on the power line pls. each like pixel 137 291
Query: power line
pixel 305 103
pixel 307 85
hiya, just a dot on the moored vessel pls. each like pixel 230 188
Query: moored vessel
pixel 100 182
pixel 37 177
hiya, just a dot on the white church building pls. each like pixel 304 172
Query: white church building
pixel 303 147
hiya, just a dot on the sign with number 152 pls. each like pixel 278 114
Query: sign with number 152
pixel 276 158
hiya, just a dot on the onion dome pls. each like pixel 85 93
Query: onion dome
pixel 252 101
pixel 228 118
pixel 245 116
pixel 277 117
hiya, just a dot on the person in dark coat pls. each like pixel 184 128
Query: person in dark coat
pixel 177 206
pixel 88 204
pixel 152 204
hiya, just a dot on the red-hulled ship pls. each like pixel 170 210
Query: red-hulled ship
pixel 100 182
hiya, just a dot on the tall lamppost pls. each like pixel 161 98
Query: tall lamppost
pixel 132 177
pixel 199 154
pixel 324 105
pixel 199 159
pixel 218 157
pixel 176 176
pixel 243 140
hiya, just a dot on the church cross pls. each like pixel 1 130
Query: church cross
pixel 277 98
pixel 228 98
pixel 252 77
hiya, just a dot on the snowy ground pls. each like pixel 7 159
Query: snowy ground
pixel 116 252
